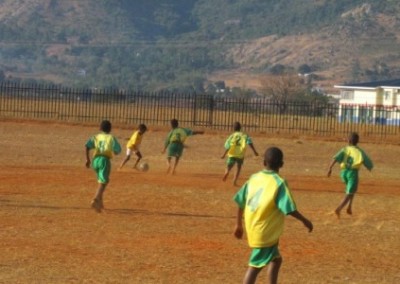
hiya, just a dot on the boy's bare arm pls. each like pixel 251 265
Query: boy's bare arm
pixel 254 149
pixel 330 167
pixel 87 157
pixel 223 156
pixel 296 214
pixel 238 233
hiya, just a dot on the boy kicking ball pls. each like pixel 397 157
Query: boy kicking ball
pixel 133 145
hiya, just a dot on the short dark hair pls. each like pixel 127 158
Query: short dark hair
pixel 174 123
pixel 354 138
pixel 142 127
pixel 105 126
pixel 237 126
pixel 273 157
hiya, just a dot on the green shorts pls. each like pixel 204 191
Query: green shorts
pixel 350 178
pixel 261 257
pixel 102 167
pixel 232 160
pixel 175 150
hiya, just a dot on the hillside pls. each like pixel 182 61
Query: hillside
pixel 186 44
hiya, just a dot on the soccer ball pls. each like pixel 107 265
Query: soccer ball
pixel 144 167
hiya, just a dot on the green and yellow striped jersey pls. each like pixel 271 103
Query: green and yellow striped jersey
pixel 236 144
pixel 352 158
pixel 265 199
pixel 104 144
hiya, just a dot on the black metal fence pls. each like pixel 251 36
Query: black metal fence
pixel 132 107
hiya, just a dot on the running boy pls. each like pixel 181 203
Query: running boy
pixel 104 146
pixel 235 147
pixel 264 200
pixel 133 146
pixel 174 143
pixel 350 158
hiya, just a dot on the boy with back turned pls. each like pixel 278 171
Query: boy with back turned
pixel 104 147
pixel 350 158
pixel 263 201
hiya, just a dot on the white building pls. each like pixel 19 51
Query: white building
pixel 371 102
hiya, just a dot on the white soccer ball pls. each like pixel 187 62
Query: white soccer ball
pixel 144 167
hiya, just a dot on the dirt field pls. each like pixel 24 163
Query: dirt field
pixel 178 229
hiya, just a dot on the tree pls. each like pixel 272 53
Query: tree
pixel 282 89
pixel 304 69
pixel 278 69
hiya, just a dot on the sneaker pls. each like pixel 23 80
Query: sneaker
pixel 97 205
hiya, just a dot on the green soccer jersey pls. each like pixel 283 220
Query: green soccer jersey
pixel 265 199
pixel 178 135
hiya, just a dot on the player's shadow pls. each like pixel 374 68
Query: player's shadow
pixel 13 204
pixel 126 211
pixel 176 214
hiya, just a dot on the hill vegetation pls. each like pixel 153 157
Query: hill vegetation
pixel 188 45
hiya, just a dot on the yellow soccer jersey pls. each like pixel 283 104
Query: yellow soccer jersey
pixel 265 199
pixel 236 144
pixel 352 158
pixel 135 140
pixel 104 144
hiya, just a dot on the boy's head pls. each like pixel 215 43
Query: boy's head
pixel 174 123
pixel 273 158
pixel 237 126
pixel 142 128
pixel 353 138
pixel 105 126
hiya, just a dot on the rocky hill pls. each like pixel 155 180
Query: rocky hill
pixel 186 44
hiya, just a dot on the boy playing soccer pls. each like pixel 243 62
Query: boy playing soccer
pixel 264 200
pixel 174 143
pixel 104 146
pixel 350 158
pixel 133 146
pixel 235 146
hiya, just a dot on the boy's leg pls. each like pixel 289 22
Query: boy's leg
pixel 229 166
pixel 124 161
pixel 273 270
pixel 237 173
pixel 102 166
pixel 351 190
pixel 136 163
pixel 344 175
pixel 226 174
pixel 251 275
pixel 350 178
pixel 139 158
pixel 349 208
pixel 127 157
pixel 97 202
pixel 169 164
pixel 345 200
pixel 175 165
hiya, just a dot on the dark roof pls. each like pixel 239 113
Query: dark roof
pixel 375 84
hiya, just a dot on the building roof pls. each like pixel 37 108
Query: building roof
pixel 393 83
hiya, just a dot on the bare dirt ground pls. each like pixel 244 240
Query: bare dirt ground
pixel 178 229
